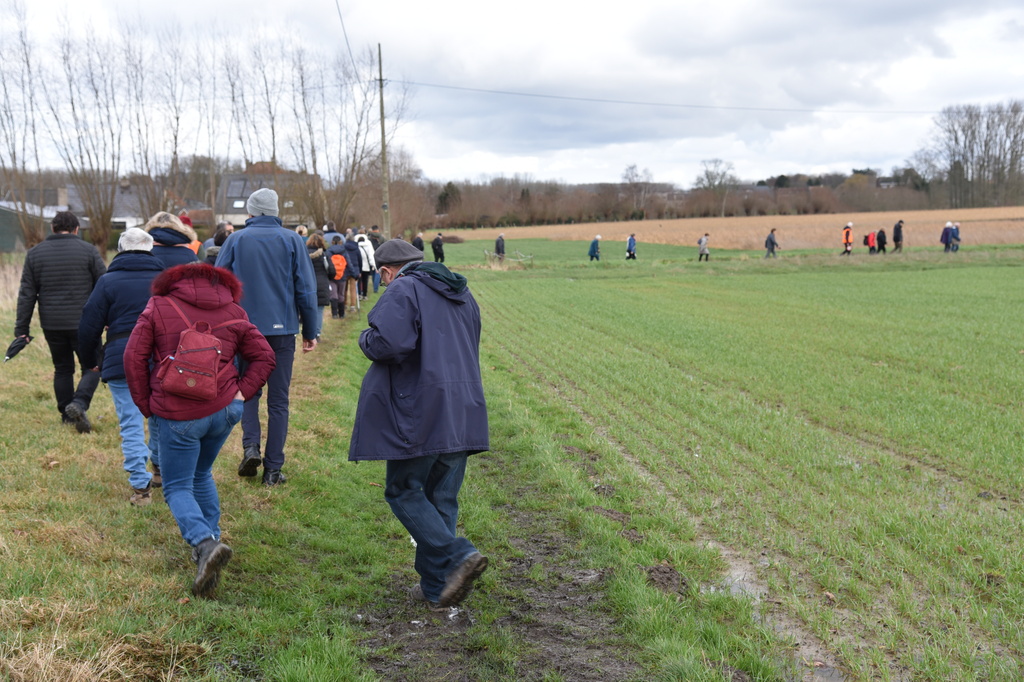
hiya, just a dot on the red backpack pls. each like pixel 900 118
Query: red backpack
pixel 191 372
pixel 340 264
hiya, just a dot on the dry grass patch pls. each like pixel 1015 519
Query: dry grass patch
pixel 132 657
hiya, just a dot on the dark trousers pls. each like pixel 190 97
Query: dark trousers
pixel 63 349
pixel 881 249
pixel 423 493
pixel 364 283
pixel 438 255
pixel 631 255
pixel 277 405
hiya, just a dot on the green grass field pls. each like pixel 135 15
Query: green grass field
pixel 806 468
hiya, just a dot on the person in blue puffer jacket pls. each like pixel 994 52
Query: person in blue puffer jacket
pixel 117 301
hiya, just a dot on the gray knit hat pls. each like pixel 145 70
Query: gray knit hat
pixel 135 239
pixel 395 252
pixel 262 202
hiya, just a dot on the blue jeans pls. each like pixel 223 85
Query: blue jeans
pixel 188 449
pixel 133 434
pixel 154 442
pixel 424 494
pixel 376 280
pixel 278 385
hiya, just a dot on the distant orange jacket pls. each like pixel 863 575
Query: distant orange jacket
pixel 847 235
pixel 871 239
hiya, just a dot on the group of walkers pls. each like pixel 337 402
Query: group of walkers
pixel 875 241
pixel 191 347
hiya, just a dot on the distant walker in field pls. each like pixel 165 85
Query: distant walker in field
pixel 631 247
pixel 499 247
pixel 897 237
pixel 437 246
pixel 881 241
pixel 770 245
pixel 847 240
pixel 702 248
pixel 595 249
pixel 422 410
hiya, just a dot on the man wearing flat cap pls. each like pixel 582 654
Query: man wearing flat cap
pixel 422 410
pixel 278 291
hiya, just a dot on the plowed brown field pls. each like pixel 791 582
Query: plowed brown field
pixel 920 228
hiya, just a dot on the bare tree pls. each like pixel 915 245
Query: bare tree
pixel 638 185
pixel 85 125
pixel 979 152
pixel 717 178
pixel 19 133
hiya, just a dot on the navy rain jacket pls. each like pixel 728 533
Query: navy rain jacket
pixel 423 394
pixel 117 301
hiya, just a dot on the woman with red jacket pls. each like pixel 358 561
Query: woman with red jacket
pixel 193 431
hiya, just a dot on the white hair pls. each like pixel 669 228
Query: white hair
pixel 135 239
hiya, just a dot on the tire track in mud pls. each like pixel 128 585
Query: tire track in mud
pixel 813 660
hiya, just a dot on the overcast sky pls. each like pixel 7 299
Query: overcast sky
pixel 576 92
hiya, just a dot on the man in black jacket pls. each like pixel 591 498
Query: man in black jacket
pixel 438 246
pixel 59 274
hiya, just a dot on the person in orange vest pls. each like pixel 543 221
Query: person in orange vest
pixel 847 240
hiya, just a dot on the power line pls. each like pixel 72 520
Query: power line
pixel 669 104
pixel 348 45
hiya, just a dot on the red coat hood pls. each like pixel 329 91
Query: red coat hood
pixel 200 284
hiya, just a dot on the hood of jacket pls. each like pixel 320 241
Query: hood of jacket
pixel 314 253
pixel 449 284
pixel 199 284
pixel 135 260
pixel 170 236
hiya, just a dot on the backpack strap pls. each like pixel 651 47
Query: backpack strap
pixel 174 304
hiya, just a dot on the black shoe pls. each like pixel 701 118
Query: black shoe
pixel 459 582
pixel 75 413
pixel 273 477
pixel 210 556
pixel 251 461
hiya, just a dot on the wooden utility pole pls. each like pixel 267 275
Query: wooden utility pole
pixel 383 152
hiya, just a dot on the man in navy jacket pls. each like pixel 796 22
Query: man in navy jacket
pixel 279 288
pixel 421 408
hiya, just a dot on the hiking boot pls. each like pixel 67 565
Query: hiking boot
pixel 142 496
pixel 275 477
pixel 416 592
pixel 75 413
pixel 210 556
pixel 251 461
pixel 459 582
pixel 158 480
